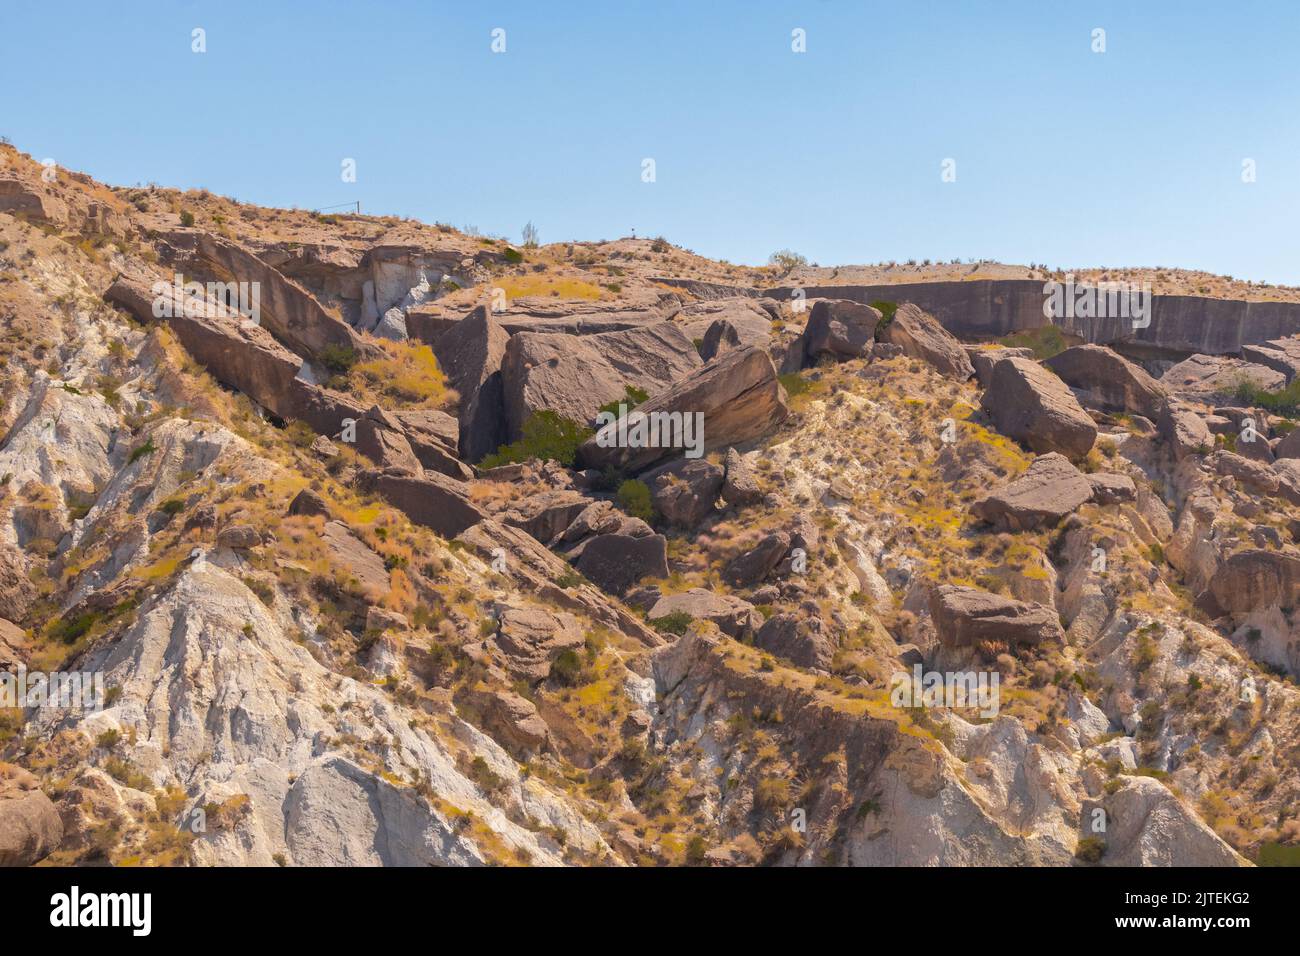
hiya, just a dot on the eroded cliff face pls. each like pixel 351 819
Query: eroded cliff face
pixel 324 647
pixel 993 308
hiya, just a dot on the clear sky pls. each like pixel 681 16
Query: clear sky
pixel 1063 156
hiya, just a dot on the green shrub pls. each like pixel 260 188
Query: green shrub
pixel 674 623
pixel 146 449
pixel 634 498
pixel 1285 401
pixel 886 310
pixel 546 435
pixel 794 384
pixel 695 850
pixel 1045 341
pixel 187 218
pixel 483 775
pixel 634 397
pixel 567 668
pixel 513 256
pixel 338 358
pixel 1090 849
pixel 69 630
pixel 786 259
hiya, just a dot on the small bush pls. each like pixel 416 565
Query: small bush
pixel 187 218
pixel 886 310
pixel 772 793
pixel 338 358
pixel 567 668
pixel 634 498
pixel 1285 401
pixel 634 396
pixel 546 435
pixel 483 775
pixel 146 449
pixel 569 579
pixel 787 260
pixel 794 384
pixel 674 623
pixel 1090 850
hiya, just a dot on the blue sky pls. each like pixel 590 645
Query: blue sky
pixel 1063 156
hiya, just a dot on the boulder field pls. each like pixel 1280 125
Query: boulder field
pixel 369 582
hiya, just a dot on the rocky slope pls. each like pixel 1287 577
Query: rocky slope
pixel 336 626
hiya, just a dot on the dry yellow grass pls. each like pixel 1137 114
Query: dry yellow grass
pixel 408 375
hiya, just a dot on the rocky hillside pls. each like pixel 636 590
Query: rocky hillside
pixel 352 519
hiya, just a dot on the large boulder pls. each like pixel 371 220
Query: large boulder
pixel 1288 446
pixel 983 357
pixel 739 486
pixel 719 319
pixel 573 375
pixel 685 491
pixel 1281 355
pixel 512 720
pixel 355 558
pixel 733 616
pixel 614 562
pixel 601 517
pixel 964 617
pixel 434 436
pixel 240 354
pixel 30 828
pixel 547 514
pixel 1048 491
pixel 802 640
pixel 839 328
pixel 1255 475
pixel 720 337
pixel 1109 488
pixel 1208 378
pixel 737 394
pixel 286 309
pixel 308 503
pixel 1148 825
pixel 381 439
pixel 1030 404
pixel 432 500
pixel 754 565
pixel 470 354
pixel 531 638
pixel 1184 430
pixel 13 647
pixel 921 336
pixel 1257 578
pixel 1104 379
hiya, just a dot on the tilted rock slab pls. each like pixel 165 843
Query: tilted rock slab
pixel 966 616
pixel 920 336
pixel 1030 404
pixel 30 828
pixel 1048 491
pixel 470 354
pixel 1104 379
pixel 574 375
pixel 737 393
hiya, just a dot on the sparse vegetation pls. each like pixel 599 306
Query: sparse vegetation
pixel 546 435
